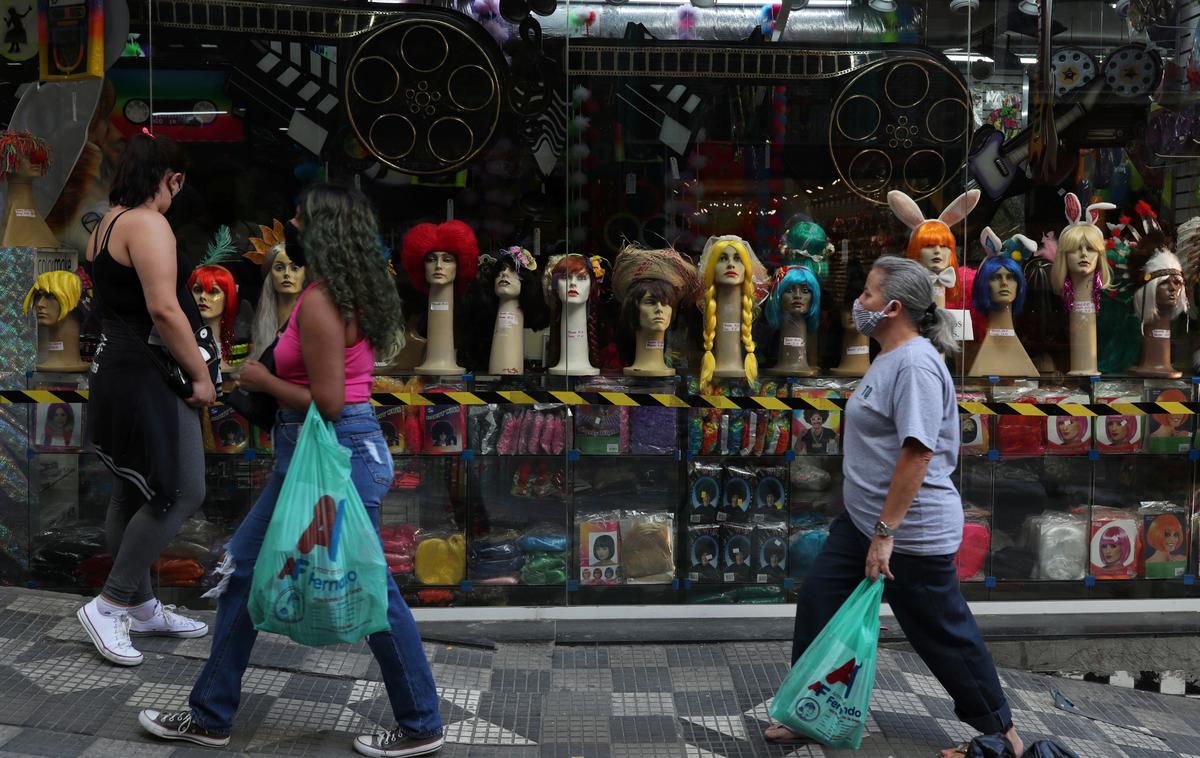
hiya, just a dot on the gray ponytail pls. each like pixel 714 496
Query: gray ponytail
pixel 908 283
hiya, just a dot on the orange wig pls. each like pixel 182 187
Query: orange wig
pixel 1156 534
pixel 935 234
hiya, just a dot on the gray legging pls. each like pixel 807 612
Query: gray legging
pixel 137 533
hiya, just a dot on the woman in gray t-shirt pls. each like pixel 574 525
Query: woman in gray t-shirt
pixel 903 516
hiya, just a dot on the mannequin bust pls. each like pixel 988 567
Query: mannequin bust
pixel 23 158
pixel 650 285
pixel 216 296
pixel 732 281
pixel 507 294
pixel 931 242
pixel 574 292
pixel 440 260
pixel 1158 302
pixel 794 309
pixel 56 302
pixel 283 281
pixel 999 292
pixel 1080 271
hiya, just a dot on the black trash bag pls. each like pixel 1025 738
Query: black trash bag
pixel 995 746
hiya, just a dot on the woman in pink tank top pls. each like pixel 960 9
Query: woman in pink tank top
pixel 351 310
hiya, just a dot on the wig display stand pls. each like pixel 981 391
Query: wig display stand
pixel 573 343
pixel 1156 351
pixel 439 349
pixel 23 223
pixel 1081 322
pixel 1001 352
pixel 856 350
pixel 793 349
pixel 508 340
pixel 59 348
pixel 649 347
pixel 727 348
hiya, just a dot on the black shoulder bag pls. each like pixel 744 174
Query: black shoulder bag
pixel 258 407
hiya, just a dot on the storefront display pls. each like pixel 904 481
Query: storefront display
pixel 628 252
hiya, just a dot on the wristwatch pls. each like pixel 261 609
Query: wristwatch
pixel 883 530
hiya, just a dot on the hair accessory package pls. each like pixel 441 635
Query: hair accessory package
pixel 1169 432
pixel 704 551
pixel 1116 544
pixel 770 547
pixel 704 492
pixel 975 434
pixel 599 549
pixel 444 426
pixel 1061 544
pixel 59 427
pixel 1118 434
pixel 1066 435
pixel 1164 525
pixel 224 430
pixel 971 558
pixel 737 500
pixel 770 494
pixel 815 432
pixel 737 551
pixel 648 547
pixel 1020 435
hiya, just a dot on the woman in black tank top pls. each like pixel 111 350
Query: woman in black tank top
pixel 147 436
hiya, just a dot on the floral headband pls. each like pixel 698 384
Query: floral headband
pixel 521 257
pixel 598 270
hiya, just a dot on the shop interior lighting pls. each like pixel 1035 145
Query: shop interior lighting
pixel 1028 60
pixel 968 58
pixel 1028 7
pixel 735 3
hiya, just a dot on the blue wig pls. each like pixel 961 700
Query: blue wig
pixel 794 277
pixel 981 294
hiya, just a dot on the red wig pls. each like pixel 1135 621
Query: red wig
pixel 452 237
pixel 218 277
pixel 935 234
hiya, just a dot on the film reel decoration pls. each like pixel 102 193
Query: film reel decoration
pixel 1132 70
pixel 423 95
pixel 900 124
pixel 1070 69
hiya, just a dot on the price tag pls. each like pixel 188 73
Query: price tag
pixel 858 350
pixel 793 342
pixel 674 168
pixel 731 326
pixel 730 577
pixel 1162 334
pixel 55 347
pixel 614 447
pixel 1002 333
pixel 25 212
pixel 439 305
pixel 961 326
pixel 576 334
pixel 506 318
pixel 654 344
pixel 1083 306
pixel 630 184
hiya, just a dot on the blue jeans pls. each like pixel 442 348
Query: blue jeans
pixel 927 601
pixel 406 674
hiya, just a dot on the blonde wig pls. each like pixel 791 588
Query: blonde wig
pixel 754 281
pixel 1083 229
pixel 64 286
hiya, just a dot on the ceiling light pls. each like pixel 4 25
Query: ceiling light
pixel 968 57
pixel 1028 7
pixel 882 6
pixel 1028 60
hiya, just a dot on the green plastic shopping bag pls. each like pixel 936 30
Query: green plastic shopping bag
pixel 321 577
pixel 827 695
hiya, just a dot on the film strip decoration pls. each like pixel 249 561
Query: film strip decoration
pixel 262 18
pixel 667 400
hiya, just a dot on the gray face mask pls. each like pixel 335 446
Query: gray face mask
pixel 865 321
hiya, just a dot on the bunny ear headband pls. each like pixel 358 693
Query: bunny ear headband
pixel 1017 246
pixel 909 213
pixel 1075 213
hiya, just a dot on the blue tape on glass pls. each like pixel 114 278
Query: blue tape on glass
pixel 990 582
pixel 1089 581
pixel 789 584
pixel 466 586
pixel 468 377
pixel 1194 455
pixel 1189 579
pixel 993 380
pixel 687 584
pixel 993 455
pixel 790 455
pixel 1093 455
pixel 678 455
pixel 674 584
pixel 573 455
pixel 468 455
pixel 250 454
pixel 572 585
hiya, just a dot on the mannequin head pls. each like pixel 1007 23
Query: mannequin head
pixel 1081 248
pixel 931 241
pixel 216 297
pixel 729 262
pixel 53 297
pixel 573 282
pixel 509 273
pixel 806 244
pixel 1000 281
pixel 287 278
pixel 1162 295
pixel 21 153
pixel 796 294
pixel 440 254
pixel 650 286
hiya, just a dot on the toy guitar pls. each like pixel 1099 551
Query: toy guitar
pixel 996 164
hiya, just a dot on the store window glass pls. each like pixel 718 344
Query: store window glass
pixel 628 238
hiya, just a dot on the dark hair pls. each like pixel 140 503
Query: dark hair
pixel 823 415
pixel 443 429
pixel 484 305
pixel 605 541
pixel 660 290
pixel 141 169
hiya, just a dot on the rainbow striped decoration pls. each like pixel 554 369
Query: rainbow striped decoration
pixel 71 39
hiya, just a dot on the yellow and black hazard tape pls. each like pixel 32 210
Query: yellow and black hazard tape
pixel 667 400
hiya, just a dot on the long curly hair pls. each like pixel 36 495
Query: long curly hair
pixel 708 364
pixel 341 244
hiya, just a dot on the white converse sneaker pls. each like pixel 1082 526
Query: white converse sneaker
pixel 167 623
pixel 110 633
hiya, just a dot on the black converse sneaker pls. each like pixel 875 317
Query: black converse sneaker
pixel 178 725
pixel 393 744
